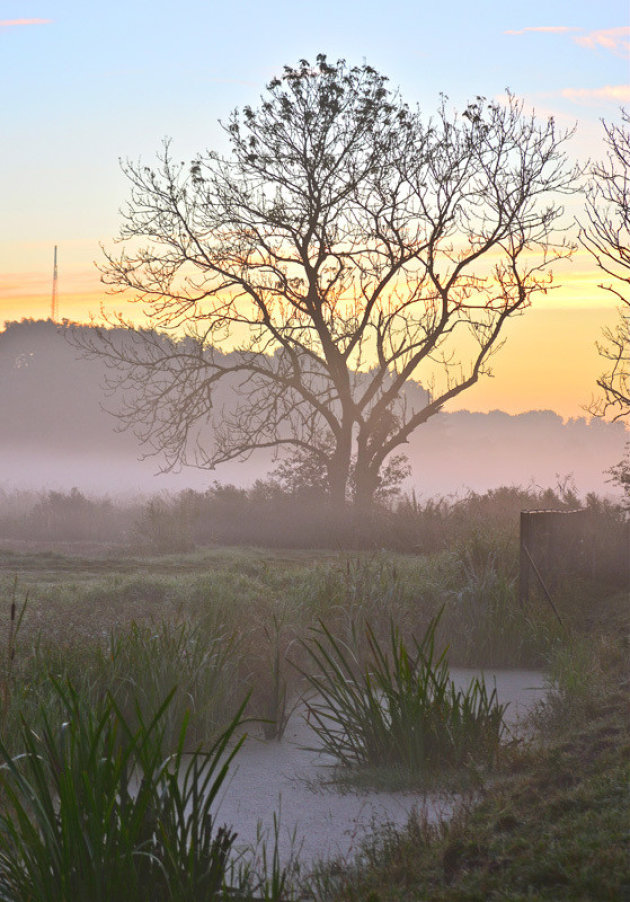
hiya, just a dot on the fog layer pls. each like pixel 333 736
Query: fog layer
pixel 55 434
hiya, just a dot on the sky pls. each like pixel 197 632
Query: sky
pixel 86 84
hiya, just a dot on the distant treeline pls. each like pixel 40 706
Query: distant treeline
pixel 51 409
pixel 272 516
pixel 51 412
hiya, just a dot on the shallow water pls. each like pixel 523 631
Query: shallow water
pixel 320 821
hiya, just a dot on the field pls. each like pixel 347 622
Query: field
pixel 223 627
pixel 111 618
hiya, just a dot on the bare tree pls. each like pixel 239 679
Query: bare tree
pixel 342 248
pixel 607 236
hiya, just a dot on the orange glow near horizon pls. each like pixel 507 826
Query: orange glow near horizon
pixel 549 361
pixel 24 293
pixel 80 307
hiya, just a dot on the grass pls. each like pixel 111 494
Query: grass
pixel 137 665
pixel 95 810
pixel 400 709
pixel 227 622
pixel 6 678
pixel 275 703
pixel 475 586
pixel 134 630
pixel 141 664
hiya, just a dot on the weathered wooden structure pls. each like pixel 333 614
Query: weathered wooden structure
pixel 555 544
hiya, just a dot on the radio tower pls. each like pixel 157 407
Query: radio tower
pixel 54 290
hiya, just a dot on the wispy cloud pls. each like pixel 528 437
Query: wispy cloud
pixel 617 40
pixel 615 93
pixel 550 29
pixel 12 23
pixel 614 40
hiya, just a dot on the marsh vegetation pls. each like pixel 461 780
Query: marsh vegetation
pixel 121 657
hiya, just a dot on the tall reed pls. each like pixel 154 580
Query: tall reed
pixel 94 810
pixel 400 709
pixel 6 678
pixel 141 664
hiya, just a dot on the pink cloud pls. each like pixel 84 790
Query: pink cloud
pixel 617 40
pixel 615 93
pixel 549 29
pixel 11 23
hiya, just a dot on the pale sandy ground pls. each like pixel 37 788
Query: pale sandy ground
pixel 317 820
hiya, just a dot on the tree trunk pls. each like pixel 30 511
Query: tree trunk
pixel 365 475
pixel 339 472
pixel 337 486
pixel 365 485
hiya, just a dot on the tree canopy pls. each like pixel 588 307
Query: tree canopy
pixel 342 249
pixel 606 235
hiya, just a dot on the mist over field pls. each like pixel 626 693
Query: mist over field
pixel 55 434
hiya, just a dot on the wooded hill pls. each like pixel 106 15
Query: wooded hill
pixel 55 432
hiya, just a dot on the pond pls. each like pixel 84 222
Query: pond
pixel 319 820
